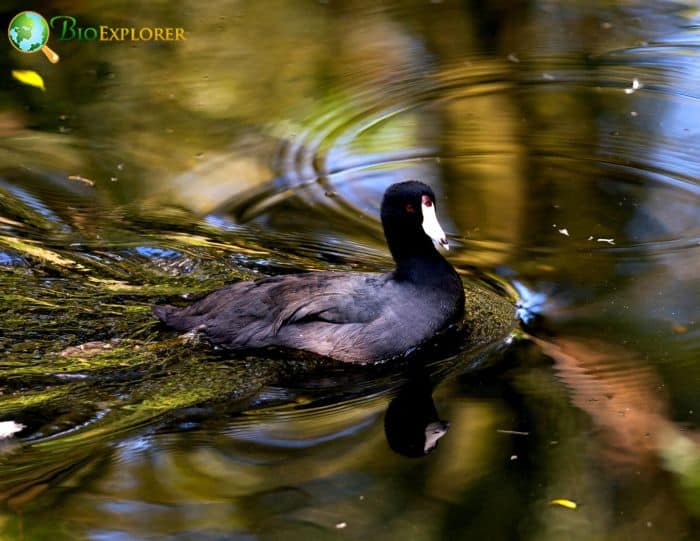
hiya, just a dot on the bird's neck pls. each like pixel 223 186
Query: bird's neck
pixel 417 260
pixel 424 268
pixel 406 247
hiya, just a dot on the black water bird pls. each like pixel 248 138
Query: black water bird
pixel 347 316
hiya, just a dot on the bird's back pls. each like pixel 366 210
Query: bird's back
pixel 354 317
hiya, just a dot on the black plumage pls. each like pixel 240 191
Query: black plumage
pixel 352 317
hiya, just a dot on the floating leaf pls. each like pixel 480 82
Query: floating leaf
pixel 564 503
pixel 29 77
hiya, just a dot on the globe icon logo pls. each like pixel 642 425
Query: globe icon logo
pixel 29 33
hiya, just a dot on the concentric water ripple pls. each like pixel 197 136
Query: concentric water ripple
pixel 326 168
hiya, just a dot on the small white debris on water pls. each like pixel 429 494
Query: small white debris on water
pixel 636 85
pixel 548 77
pixel 513 58
pixel 564 232
pixel 606 25
pixel 70 377
pixel 609 241
pixel 84 180
pixel 514 457
pixel 9 428
pixel 341 525
pixel 633 113
pixel 590 238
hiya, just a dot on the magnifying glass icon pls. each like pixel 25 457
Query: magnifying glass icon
pixel 29 33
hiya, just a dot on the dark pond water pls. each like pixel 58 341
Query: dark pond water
pixel 563 141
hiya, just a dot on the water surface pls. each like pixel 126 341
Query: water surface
pixel 562 141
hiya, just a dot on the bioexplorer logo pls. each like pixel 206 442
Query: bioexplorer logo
pixel 68 30
pixel 29 33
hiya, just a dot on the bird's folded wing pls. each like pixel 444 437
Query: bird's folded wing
pixel 338 301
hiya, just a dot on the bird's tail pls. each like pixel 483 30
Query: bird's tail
pixel 164 312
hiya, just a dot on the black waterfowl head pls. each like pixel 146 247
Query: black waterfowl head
pixel 409 220
pixel 411 228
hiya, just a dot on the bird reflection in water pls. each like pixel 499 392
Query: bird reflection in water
pixel 411 422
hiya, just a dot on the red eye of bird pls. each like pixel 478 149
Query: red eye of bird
pixel 427 201
pixel 409 208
